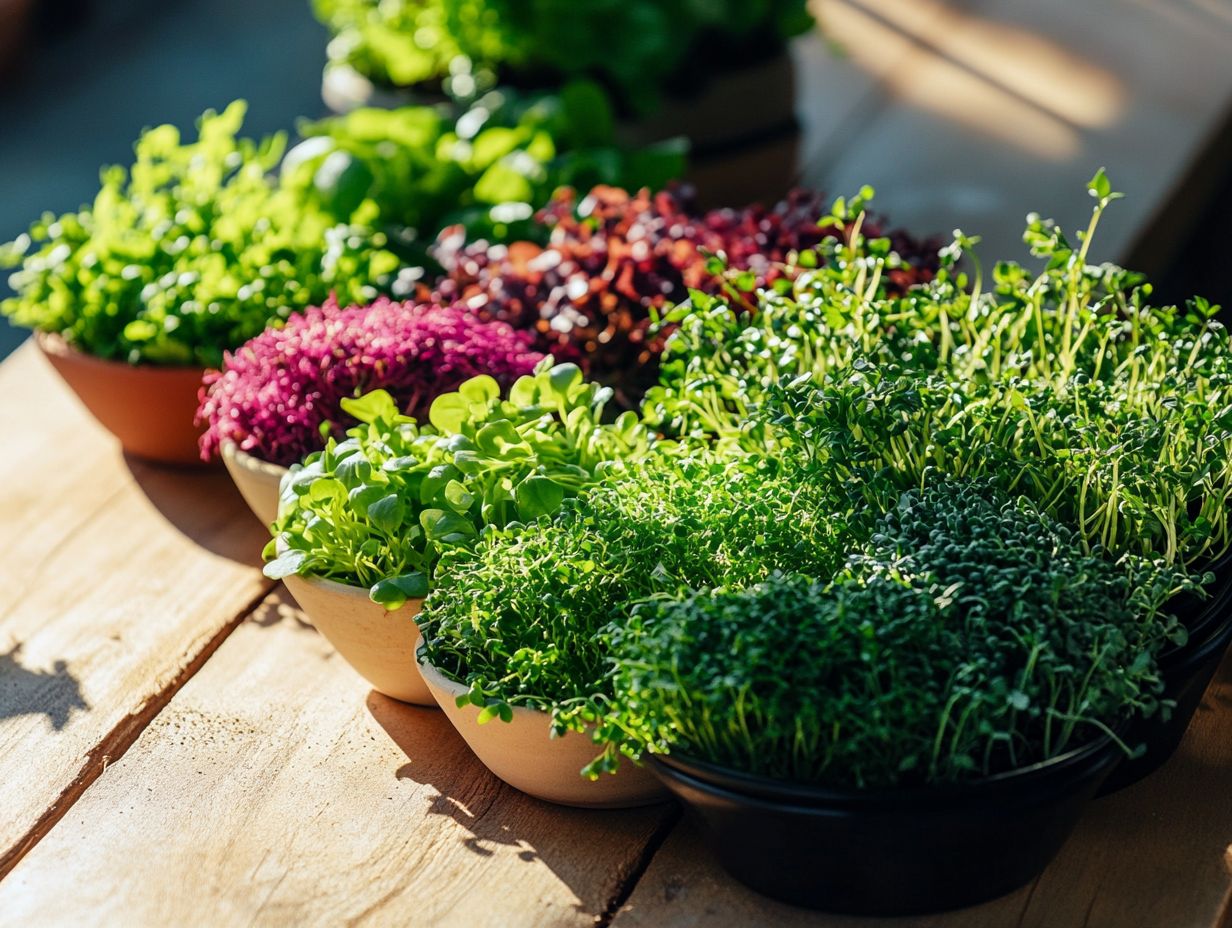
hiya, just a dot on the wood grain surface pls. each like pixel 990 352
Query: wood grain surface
pixel 276 789
pixel 116 579
pixel 983 110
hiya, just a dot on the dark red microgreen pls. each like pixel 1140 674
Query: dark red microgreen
pixel 615 255
pixel 275 392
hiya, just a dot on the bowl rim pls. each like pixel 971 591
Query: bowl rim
pixel 740 786
pixel 56 345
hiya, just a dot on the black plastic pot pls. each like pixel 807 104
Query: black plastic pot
pixel 1202 616
pixel 899 852
pixel 1187 674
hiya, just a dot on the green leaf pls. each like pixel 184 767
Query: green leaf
pixel 480 390
pixel 388 513
pixel 394 592
pixel 538 496
pixel 563 378
pixel 1099 186
pixel 375 406
pixel 458 496
pixel 285 565
pixel 495 710
pixel 524 392
pixel 449 413
pixel 496 437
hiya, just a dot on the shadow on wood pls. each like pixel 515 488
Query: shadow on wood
pixel 54 693
pixel 494 815
pixel 203 505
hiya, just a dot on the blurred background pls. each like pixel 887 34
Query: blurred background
pixel 80 79
pixel 964 113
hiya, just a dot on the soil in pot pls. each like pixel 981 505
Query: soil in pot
pixel 380 645
pixel 150 409
pixel 891 852
pixel 258 481
pixel 522 754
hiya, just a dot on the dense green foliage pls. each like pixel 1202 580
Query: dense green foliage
pixel 486 169
pixel 191 251
pixel 635 48
pixel 1065 384
pixel 970 636
pixel 522 618
pixel 378 509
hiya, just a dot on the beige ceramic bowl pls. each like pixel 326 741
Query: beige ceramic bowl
pixel 523 754
pixel 380 645
pixel 258 481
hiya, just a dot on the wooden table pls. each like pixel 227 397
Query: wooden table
pixel 971 113
pixel 179 747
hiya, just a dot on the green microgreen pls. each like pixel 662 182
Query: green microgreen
pixel 971 635
pixel 378 509
pixel 191 251
pixel 520 617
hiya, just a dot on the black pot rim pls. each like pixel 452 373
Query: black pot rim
pixel 783 794
pixel 1212 622
pixel 1188 658
pixel 1219 564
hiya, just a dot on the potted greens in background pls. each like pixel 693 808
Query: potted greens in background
pixel 190 252
pixel 278 397
pixel 921 732
pixel 364 522
pixel 593 272
pixel 486 167
pixel 514 629
pixel 717 73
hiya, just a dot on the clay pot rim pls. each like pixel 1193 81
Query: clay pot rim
pixel 435 678
pixel 346 589
pixel 333 586
pixel 54 343
pixel 250 462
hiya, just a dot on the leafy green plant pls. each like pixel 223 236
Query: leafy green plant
pixel 522 618
pixel 834 303
pixel 486 169
pixel 637 49
pixel 1148 474
pixel 1065 383
pixel 378 509
pixel 191 251
pixel 970 636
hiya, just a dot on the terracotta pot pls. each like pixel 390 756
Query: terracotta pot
pixel 149 408
pixel 380 645
pixel 524 755
pixel 258 481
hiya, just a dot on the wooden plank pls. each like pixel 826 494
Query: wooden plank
pixel 275 788
pixel 1152 856
pixel 1007 108
pixel 117 578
